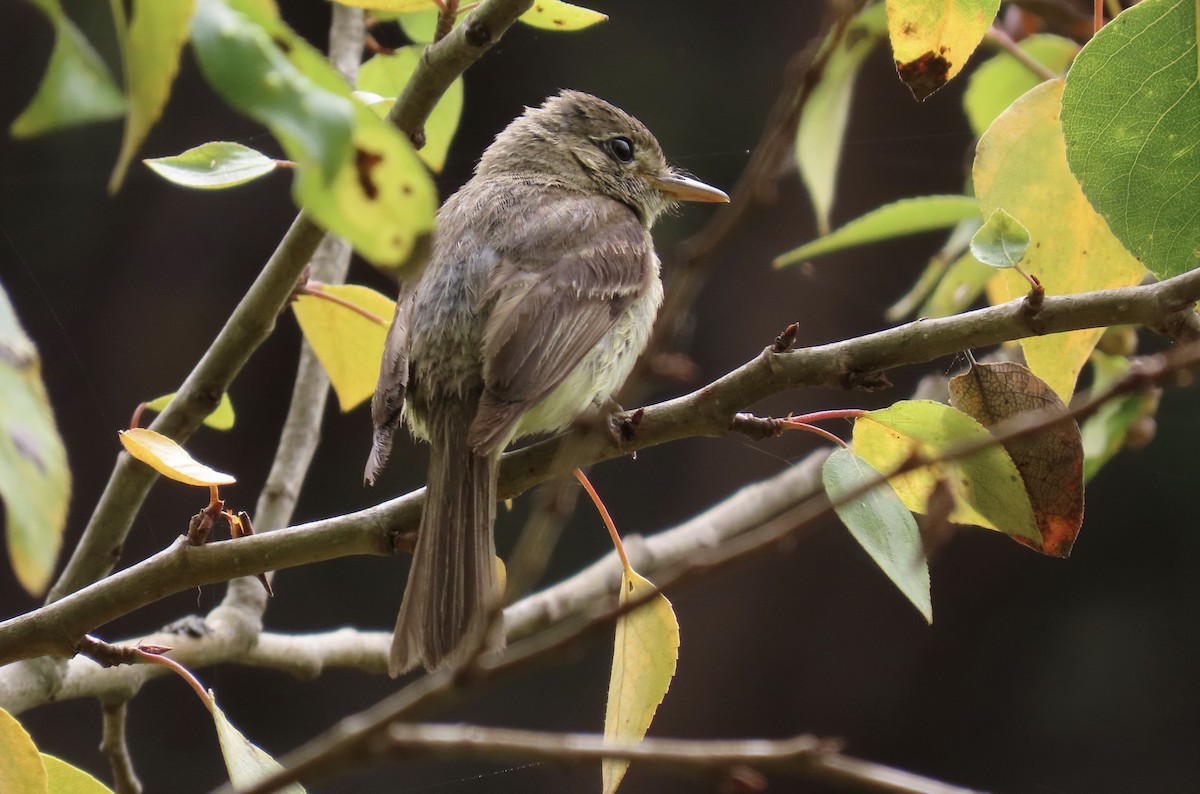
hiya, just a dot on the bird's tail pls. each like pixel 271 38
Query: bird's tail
pixel 453 584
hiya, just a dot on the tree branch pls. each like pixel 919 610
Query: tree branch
pixel 709 411
pixel 804 757
pixel 114 746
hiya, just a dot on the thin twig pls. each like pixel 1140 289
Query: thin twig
pixel 805 757
pixel 997 36
pixel 116 749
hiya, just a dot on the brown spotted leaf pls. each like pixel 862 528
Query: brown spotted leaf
pixel 932 39
pixel 1049 460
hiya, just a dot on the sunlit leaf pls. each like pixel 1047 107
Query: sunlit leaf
pixel 221 418
pixel 998 81
pixel 1130 113
pixel 157 33
pixel 1049 460
pixel 822 126
pixel 386 75
pixel 169 459
pixel 986 486
pixel 961 285
pixel 246 762
pixel 214 165
pixel 557 15
pixel 21 768
pixel 1021 165
pixel 1001 241
pixel 932 39
pixel 419 26
pixel 64 778
pixel 76 88
pixel 882 525
pixel 900 218
pixel 348 345
pixel 644 657
pixel 35 482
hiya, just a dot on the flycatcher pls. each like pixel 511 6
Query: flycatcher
pixel 539 295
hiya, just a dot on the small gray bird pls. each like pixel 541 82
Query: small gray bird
pixel 539 295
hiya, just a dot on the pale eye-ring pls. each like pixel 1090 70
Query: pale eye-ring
pixel 621 148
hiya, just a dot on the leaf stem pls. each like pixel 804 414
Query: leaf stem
pixel 608 522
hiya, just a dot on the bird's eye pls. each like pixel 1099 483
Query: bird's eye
pixel 621 148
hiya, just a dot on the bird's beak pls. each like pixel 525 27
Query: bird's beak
pixel 683 188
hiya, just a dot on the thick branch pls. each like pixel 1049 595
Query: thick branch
pixel 710 411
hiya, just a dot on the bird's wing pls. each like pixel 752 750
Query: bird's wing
pixel 387 404
pixel 556 295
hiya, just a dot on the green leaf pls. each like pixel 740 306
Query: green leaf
pixel 998 81
pixel 386 75
pixel 959 287
pixel 932 39
pixel 21 767
pixel 76 88
pixel 822 127
pixel 35 482
pixel 242 62
pixel 419 26
pixel 356 175
pixel 1001 241
pixel 66 779
pixel 557 15
pixel 882 525
pixel 988 490
pixel 390 5
pixel 900 218
pixel 221 418
pixel 246 762
pixel 1021 165
pixel 1130 115
pixel 157 33
pixel 1105 431
pixel 645 652
pixel 214 165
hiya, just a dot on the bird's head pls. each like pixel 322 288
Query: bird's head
pixel 591 145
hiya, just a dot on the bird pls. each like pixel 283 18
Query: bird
pixel 539 294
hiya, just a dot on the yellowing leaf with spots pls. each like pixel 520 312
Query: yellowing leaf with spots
pixel 932 39
pixel 987 488
pixel 556 15
pixel 35 483
pixel 1021 166
pixel 169 459
pixel 387 75
pixel 347 342
pixel 21 766
pixel 644 656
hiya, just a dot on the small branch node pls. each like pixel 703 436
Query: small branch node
pixel 757 427
pixel 786 339
pixel 857 380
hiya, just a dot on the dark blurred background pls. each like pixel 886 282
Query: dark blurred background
pixel 1038 675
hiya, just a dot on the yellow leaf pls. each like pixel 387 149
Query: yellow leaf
pixel 1021 166
pixel 21 766
pixel 169 459
pixel 390 5
pixel 221 418
pixel 64 778
pixel 932 39
pixel 246 762
pixel 348 345
pixel 556 15
pixel 644 656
